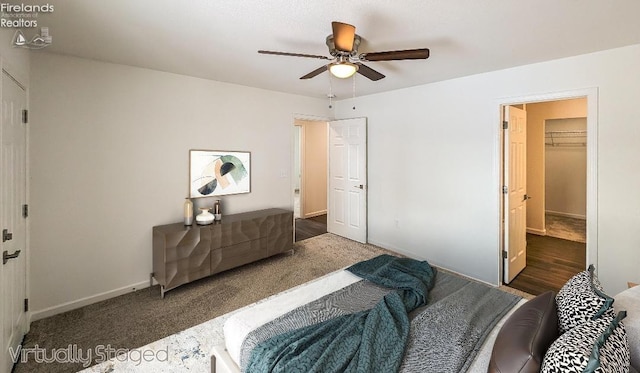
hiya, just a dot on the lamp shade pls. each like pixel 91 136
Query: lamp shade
pixel 343 69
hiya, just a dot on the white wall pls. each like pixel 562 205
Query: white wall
pixel 109 146
pixel 433 162
pixel 109 150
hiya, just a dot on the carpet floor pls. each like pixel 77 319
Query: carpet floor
pixel 567 228
pixel 142 317
pixel 136 319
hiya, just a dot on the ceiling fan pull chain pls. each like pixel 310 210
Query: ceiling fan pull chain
pixel 330 95
pixel 354 91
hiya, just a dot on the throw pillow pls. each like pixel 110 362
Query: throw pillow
pixel 581 299
pixel 597 346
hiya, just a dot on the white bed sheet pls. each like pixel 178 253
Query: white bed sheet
pixel 243 322
pixel 239 325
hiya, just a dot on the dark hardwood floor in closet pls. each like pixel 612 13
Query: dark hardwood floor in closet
pixel 310 227
pixel 550 263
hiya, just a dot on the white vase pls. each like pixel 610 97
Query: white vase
pixel 205 217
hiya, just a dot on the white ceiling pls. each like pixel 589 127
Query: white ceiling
pixel 219 39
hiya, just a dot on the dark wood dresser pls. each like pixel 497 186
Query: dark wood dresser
pixel 182 254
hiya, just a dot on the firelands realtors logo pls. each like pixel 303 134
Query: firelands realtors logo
pixel 22 15
pixel 26 16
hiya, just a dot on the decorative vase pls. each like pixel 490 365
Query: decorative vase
pixel 217 212
pixel 188 212
pixel 205 217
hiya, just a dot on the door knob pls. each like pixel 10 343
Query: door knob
pixel 359 186
pixel 526 197
pixel 6 256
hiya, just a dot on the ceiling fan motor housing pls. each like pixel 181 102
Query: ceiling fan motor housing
pixel 334 52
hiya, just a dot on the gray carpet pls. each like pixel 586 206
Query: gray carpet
pixel 136 319
pixel 567 228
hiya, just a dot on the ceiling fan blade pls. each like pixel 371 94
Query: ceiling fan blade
pixel 343 35
pixel 315 72
pixel 294 54
pixel 407 54
pixel 369 72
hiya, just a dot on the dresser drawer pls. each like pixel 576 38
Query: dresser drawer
pixel 237 255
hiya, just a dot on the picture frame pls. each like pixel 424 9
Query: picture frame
pixel 218 173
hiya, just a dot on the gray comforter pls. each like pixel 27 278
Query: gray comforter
pixel 445 335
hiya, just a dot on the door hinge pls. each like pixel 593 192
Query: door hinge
pixel 6 235
pixel 505 125
pixel 25 211
pixel 505 190
pixel 25 116
pixel 504 254
pixel 26 304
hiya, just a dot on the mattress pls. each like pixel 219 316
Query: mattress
pixel 225 358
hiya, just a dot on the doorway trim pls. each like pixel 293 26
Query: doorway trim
pixel 591 94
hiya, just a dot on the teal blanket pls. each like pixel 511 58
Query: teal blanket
pixel 368 341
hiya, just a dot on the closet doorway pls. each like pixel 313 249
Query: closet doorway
pixel 566 179
pixel 561 171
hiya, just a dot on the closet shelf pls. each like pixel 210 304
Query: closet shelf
pixel 566 138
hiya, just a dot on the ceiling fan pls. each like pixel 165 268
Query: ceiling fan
pixel 345 61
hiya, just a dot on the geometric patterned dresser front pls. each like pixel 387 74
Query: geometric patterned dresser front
pixel 182 254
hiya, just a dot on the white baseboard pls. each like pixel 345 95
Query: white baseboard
pixel 539 232
pixel 566 214
pixel 68 306
pixel 315 213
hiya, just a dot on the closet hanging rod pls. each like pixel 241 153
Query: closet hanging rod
pixel 578 133
pixel 565 138
pixel 572 144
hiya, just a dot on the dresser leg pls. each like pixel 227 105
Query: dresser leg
pixel 161 292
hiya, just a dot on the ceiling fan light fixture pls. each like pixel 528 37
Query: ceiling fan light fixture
pixel 343 69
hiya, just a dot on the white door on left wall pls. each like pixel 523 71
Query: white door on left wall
pixel 13 196
pixel 347 196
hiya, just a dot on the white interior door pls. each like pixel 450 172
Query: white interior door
pixel 13 224
pixel 515 169
pixel 347 197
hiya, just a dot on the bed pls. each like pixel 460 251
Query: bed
pixel 525 347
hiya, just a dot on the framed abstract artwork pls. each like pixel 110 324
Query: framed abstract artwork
pixel 218 173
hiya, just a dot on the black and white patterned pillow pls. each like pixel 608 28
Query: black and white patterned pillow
pixel 597 346
pixel 581 299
